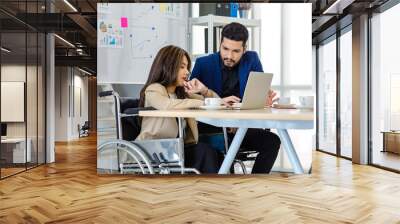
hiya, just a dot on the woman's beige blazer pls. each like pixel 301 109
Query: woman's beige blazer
pixel 156 96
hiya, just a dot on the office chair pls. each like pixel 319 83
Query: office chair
pixel 218 140
pixel 242 155
pixel 84 129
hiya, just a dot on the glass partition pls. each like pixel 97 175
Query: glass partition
pixel 346 94
pixel 327 96
pixel 13 95
pixel 41 96
pixel 385 89
pixel 22 87
pixel 31 98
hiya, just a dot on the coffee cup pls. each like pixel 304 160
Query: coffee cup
pixel 306 101
pixel 212 101
pixel 284 100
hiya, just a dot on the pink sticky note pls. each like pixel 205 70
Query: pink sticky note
pixel 124 22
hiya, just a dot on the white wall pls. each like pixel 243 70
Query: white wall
pixel 33 125
pixel 61 103
pixel 69 82
pixel 79 117
pixel 15 73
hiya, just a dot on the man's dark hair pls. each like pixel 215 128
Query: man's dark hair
pixel 235 31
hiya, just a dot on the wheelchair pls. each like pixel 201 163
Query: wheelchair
pixel 118 151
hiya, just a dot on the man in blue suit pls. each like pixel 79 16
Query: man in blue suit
pixel 226 73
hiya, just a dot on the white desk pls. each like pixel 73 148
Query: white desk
pixel 19 155
pixel 280 119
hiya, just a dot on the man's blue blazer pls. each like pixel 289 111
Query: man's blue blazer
pixel 207 69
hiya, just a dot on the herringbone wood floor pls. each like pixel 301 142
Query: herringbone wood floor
pixel 70 191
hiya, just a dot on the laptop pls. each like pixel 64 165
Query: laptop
pixel 255 94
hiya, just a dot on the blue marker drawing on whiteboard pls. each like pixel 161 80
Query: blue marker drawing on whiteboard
pixel 142 43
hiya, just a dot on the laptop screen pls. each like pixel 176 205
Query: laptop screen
pixel 257 87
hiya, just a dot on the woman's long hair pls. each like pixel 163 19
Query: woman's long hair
pixel 164 70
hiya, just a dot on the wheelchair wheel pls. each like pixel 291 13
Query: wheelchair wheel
pixel 134 151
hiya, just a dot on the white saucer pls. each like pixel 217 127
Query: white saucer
pixel 212 107
pixel 304 107
pixel 284 106
pixel 237 105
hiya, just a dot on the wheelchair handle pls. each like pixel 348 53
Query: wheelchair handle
pixel 106 93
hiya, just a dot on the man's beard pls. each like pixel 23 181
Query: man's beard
pixel 232 63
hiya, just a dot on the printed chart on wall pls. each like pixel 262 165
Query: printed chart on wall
pixel 129 36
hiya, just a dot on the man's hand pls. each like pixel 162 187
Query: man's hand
pixel 271 98
pixel 195 86
pixel 231 130
pixel 228 101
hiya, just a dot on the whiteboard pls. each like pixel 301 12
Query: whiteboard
pixel 129 35
pixel 12 101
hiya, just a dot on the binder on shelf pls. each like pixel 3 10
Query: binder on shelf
pixel 234 9
pixel 216 37
pixel 219 9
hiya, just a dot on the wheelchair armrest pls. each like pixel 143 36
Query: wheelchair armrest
pixel 147 108
pixel 135 111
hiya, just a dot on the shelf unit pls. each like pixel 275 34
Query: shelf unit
pixel 211 21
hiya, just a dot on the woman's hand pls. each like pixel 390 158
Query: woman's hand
pixel 228 101
pixel 195 86
pixel 271 98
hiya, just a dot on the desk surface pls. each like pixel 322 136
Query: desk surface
pixel 259 114
pixel 13 140
pixel 391 132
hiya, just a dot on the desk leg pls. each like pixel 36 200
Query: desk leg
pixel 181 145
pixel 233 149
pixel 291 152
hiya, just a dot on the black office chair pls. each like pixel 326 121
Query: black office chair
pixel 84 129
pixel 242 155
pixel 218 139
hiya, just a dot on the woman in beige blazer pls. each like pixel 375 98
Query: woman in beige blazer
pixel 165 89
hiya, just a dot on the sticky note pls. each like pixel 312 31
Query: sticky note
pixel 124 22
